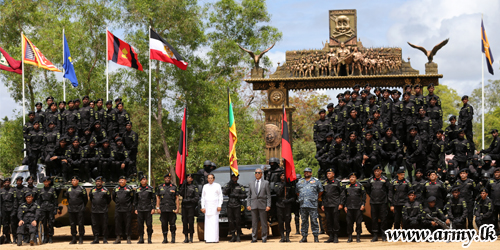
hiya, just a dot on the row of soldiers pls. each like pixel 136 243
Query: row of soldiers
pixel 81 141
pixel 376 129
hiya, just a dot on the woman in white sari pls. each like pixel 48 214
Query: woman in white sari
pixel 211 203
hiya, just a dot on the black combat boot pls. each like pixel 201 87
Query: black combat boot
pixel 384 239
pixel 150 237
pixel 186 238
pixel 287 237
pixel 173 237
pixel 191 238
pixel 330 239
pixel 335 238
pixel 96 240
pixel 19 240
pixel 233 239
pixel 141 239
pixel 282 237
pixel 14 239
pixel 165 240
pixel 316 238
pixel 304 239
pixel 105 240
pixel 297 228
pixel 81 240
pixel 349 239
pixel 118 240
pixel 358 240
pixel 73 240
pixel 49 240
pixel 32 239
pixel 26 238
pixel 375 237
pixel 7 239
pixel 129 240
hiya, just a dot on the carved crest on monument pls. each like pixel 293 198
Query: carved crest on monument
pixel 273 136
pixel 343 27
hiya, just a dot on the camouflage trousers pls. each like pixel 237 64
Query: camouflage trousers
pixel 305 214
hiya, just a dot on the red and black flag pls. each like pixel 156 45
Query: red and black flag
pixel 286 150
pixel 8 63
pixel 180 164
pixel 122 53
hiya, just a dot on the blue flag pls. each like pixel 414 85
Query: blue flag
pixel 69 71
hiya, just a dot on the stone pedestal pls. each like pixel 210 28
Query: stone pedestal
pixel 431 68
pixel 257 73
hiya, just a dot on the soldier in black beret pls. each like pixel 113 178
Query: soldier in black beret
pixel 354 205
pixel 457 209
pixel 144 203
pixel 378 188
pixel 100 197
pixel 28 215
pixel 462 149
pixel 412 212
pixel 123 196
pixel 435 212
pixel 47 198
pixel 465 117
pixel 484 209
pixel 398 195
pixel 9 204
pixel 167 201
pixel 321 128
pixel 354 154
pixel 77 201
pixel 331 203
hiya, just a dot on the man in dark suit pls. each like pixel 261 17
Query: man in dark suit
pixel 259 202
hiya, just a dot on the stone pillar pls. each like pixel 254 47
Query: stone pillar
pixel 277 97
pixel 431 68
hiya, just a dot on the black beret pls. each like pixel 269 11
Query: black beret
pixel 497 169
pixel 330 105
pixel 118 99
pixel 7 179
pixel 46 178
pixel 411 192
pixel 356 86
pixel 464 170
pixel 99 99
pixel 109 102
pixel 122 177
pixel 483 190
pixel 434 98
pixel 411 128
pixel 77 100
pixel 387 129
pixel 355 92
pixel 338 135
pixel 321 111
pixel 440 131
pixel 406 93
pixel 493 131
pixel 461 130
pixel 330 134
pixel 430 86
pixel 330 170
pixel 98 178
pixel 167 175
pixel 38 104
pixel 418 86
pixel 432 171
pixel 340 95
pixel 431 199
pixel 19 178
pixel 401 171
pixel 31 113
pixel 50 97
pixel 85 97
pixel 419 170
pixel 368 85
pixel 372 97
pixel 129 122
pixel 376 167
pixel 118 139
pixel 29 177
pixel 353 173
pixel 455 189
pixel 36 122
pixel 51 122
pixel 347 92
pixel 465 97
pixel 71 101
pixel 62 102
pixel 28 194
pixel 75 177
pixel 352 132
pixel 452 117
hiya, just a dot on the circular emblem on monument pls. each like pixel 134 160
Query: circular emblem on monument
pixel 273 136
pixel 277 96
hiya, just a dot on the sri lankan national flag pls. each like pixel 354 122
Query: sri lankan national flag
pixel 485 45
pixel 233 139
pixel 122 53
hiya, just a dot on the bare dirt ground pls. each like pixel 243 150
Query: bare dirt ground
pixel 62 238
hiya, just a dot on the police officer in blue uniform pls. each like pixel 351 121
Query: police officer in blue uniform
pixel 308 190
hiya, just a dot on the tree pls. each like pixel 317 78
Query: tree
pixel 450 102
pixel 11 145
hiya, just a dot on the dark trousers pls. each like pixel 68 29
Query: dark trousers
pixel 470 215
pixel 76 219
pixel 354 216
pixel 459 224
pixel 100 224
pixel 398 214
pixel 7 222
pixel 53 167
pixel 496 213
pixel 48 222
pixel 14 222
pixel 379 211
pixel 123 219
pixel 332 220
pixel 145 216
pixel 104 169
pixel 284 218
pixel 33 156
pixel 27 225
pixel 234 218
pixel 188 219
pixel 259 215
pixel 412 224
pixel 168 218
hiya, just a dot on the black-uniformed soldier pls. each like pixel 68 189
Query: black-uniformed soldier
pixel 435 188
pixel 123 196
pixel 235 192
pixel 87 115
pixel 378 188
pixel 321 129
pixel 398 196
pixel 415 152
pixel 90 160
pixel 73 164
pixel 54 116
pixel 105 160
pixel 273 174
pixel 435 212
pixel 56 158
pixel 28 126
pixel 377 134
pixel 353 154
pixel 18 189
pixel 100 113
pixel 40 116
pixel 494 149
pixel 457 209
pixel 461 149
pixel 9 204
pixel 493 188
pixel 412 212
pixel 377 121
pixel 486 167
pixel 390 151
pixel 285 196
pixel 397 111
pixel 131 142
pixel 333 191
pixel 369 107
pixel 418 185
pixel 354 205
pixel 31 188
pixel 336 156
pixel 167 201
pixel 69 116
pixel 71 134
pixel 144 203
pixel 49 100
pixel 47 199
pixel 99 133
pixel 77 201
pixel 342 115
pixel 190 197
pixel 370 153
pixel 122 117
pixel 425 127
pixel 331 113
pixel 356 104
pixel 77 105
pixel 86 138
pixel 409 114
pixel 353 124
pixel 110 120
pixel 468 192
pixel 465 117
pixel 436 152
pixel 386 107
pixel 28 214
pixel 121 162
pixel 34 145
pixel 418 98
pixel 51 141
pixel 451 132
pixel 207 169
pixel 483 209
pixel 100 197
pixel 322 156
pixel 435 113
pixel 431 94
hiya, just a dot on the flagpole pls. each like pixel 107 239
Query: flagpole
pixel 64 85
pixel 149 130
pixel 229 130
pixel 22 69
pixel 107 86
pixel 482 91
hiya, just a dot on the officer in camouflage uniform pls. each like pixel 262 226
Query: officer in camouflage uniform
pixel 308 190
pixel 190 197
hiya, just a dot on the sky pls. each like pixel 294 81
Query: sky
pixel 305 25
